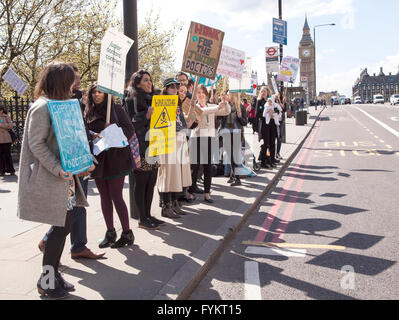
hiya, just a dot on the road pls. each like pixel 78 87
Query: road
pixel 331 220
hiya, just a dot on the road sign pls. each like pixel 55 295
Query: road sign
pixel 279 31
pixel 272 63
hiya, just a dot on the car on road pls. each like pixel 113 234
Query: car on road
pixel 368 100
pixel 357 100
pixel 378 98
pixel 347 101
pixel 394 99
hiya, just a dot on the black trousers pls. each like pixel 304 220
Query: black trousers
pixel 207 166
pixel 55 243
pixel 269 136
pixel 144 185
pixel 6 165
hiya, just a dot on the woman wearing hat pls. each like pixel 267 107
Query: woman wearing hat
pixel 174 173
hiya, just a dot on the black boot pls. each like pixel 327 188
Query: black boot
pixel 127 238
pixel 168 212
pixel 109 239
pixel 57 292
pixel 177 209
pixel 64 284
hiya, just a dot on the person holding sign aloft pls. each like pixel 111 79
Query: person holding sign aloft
pixel 204 145
pixel 48 194
pixel 174 173
pixel 113 166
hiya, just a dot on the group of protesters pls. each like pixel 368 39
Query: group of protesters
pixel 49 195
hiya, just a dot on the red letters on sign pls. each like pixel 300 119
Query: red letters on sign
pixel 206 31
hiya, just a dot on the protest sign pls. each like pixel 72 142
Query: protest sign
pixel 205 81
pixel 289 69
pixel 15 82
pixel 245 84
pixel 202 51
pixel 231 63
pixel 163 125
pixel 111 71
pixel 71 135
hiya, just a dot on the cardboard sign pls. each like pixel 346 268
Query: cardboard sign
pixel 289 69
pixel 15 82
pixel 111 71
pixel 202 52
pixel 231 63
pixel 70 133
pixel 275 88
pixel 163 125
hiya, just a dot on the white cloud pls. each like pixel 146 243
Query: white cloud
pixel 343 81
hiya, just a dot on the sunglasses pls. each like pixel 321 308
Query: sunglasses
pixel 175 86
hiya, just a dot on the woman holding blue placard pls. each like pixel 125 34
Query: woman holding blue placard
pixel 47 194
pixel 113 166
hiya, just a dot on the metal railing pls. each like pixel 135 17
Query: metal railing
pixel 17 108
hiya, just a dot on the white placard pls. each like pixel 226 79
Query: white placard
pixel 231 63
pixel 15 82
pixel 243 85
pixel 111 71
pixel 112 137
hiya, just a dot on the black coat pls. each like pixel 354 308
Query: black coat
pixel 115 161
pixel 138 111
pixel 241 122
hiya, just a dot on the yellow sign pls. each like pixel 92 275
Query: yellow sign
pixel 163 125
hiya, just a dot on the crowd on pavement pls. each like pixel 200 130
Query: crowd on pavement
pixel 208 123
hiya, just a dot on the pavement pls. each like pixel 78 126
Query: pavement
pixel 165 264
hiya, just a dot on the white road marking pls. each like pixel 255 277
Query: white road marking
pixel 395 118
pixel 298 253
pixel 382 124
pixel 252 281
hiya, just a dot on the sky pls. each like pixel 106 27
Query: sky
pixel 365 35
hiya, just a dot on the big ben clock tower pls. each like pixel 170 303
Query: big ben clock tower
pixel 306 54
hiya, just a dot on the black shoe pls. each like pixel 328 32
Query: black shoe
pixel 210 200
pixel 109 239
pixel 148 225
pixel 237 182
pixel 58 292
pixel 276 161
pixel 168 212
pixel 177 209
pixel 64 284
pixel 127 238
pixel 231 180
pixel 157 221
pixel 274 165
pixel 197 190
pixel 190 200
pixel 265 166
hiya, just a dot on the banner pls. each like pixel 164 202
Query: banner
pixel 289 69
pixel 111 71
pixel 15 82
pixel 272 64
pixel 163 125
pixel 231 63
pixel 245 84
pixel 205 81
pixel 70 132
pixel 202 52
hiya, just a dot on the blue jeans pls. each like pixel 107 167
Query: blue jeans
pixel 78 232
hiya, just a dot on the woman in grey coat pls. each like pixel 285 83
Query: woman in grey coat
pixel 46 193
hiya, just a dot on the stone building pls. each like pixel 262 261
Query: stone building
pixel 306 54
pixel 367 86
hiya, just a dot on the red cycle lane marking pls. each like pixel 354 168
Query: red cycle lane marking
pixel 261 235
pixel 280 231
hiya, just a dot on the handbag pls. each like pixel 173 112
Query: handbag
pixel 133 145
pixel 13 135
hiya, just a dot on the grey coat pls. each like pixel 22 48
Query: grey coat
pixel 43 194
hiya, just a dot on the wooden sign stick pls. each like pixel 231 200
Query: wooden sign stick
pixel 108 122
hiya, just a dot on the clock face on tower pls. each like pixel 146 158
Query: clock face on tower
pixel 306 53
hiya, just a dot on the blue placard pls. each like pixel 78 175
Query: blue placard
pixel 70 133
pixel 280 31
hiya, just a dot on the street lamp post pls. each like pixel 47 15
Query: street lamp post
pixel 315 60
pixel 132 65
